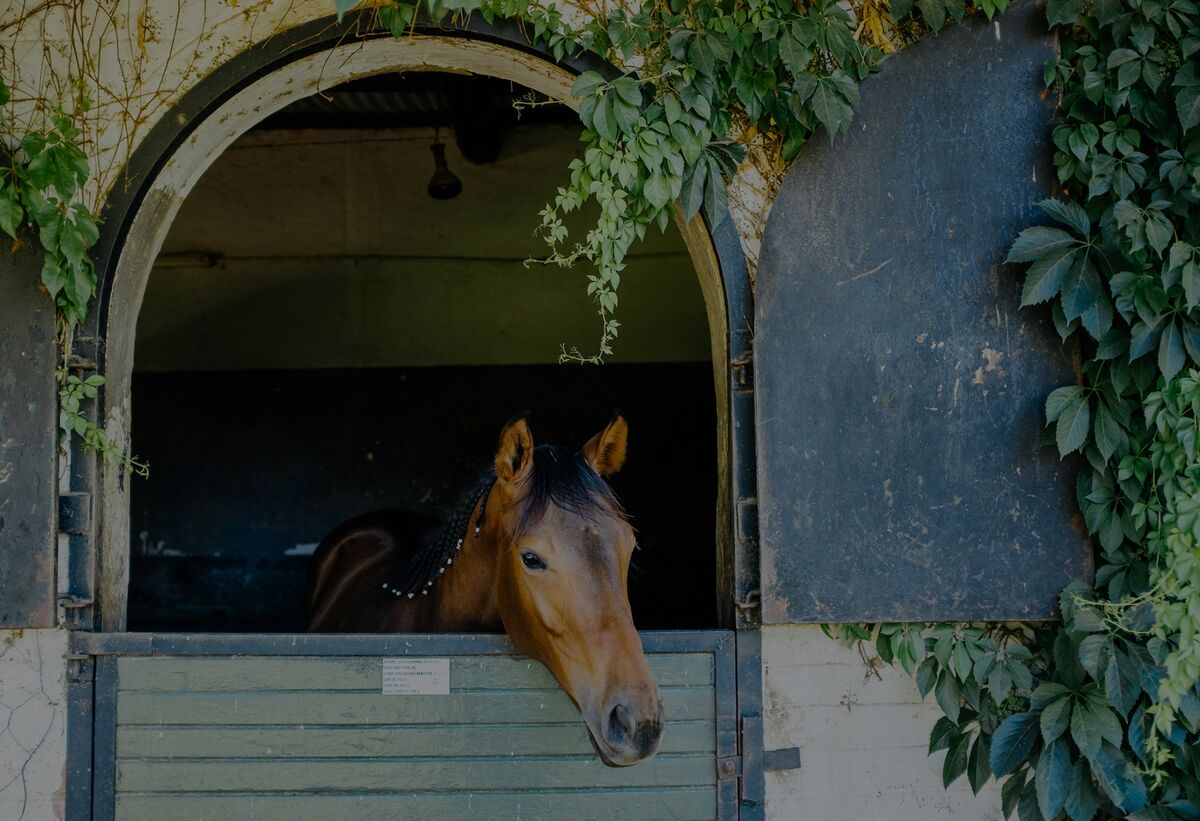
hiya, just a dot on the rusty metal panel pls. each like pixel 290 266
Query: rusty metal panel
pixel 899 386
pixel 28 426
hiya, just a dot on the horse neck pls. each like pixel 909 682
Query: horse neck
pixel 465 598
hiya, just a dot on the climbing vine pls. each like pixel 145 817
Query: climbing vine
pixel 703 81
pixel 1099 716
pixel 40 188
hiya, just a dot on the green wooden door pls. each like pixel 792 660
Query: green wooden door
pixel 278 727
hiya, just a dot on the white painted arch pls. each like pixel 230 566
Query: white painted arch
pixel 185 165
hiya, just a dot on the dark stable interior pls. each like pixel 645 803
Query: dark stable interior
pixel 220 529
pixel 321 338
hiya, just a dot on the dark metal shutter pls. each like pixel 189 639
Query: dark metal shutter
pixel 28 441
pixel 899 386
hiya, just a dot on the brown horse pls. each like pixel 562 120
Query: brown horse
pixel 541 548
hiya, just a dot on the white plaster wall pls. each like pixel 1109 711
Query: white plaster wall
pixel 862 739
pixel 33 735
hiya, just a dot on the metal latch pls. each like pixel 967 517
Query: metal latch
pixel 786 759
pixel 742 367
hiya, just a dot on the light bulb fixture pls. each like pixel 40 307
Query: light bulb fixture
pixel 444 184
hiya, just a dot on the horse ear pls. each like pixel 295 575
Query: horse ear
pixel 605 451
pixel 514 457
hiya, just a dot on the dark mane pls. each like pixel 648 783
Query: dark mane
pixel 562 476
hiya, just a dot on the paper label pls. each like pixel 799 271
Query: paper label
pixel 416 677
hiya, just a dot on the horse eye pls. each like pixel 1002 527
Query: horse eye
pixel 533 561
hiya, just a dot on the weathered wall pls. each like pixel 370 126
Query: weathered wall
pixel 862 738
pixel 33 738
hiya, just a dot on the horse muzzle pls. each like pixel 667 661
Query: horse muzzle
pixel 626 734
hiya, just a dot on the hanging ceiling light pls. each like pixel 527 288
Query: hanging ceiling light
pixel 444 184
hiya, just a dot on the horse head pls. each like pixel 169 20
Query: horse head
pixel 562 560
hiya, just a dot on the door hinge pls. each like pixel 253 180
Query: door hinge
pixel 742 368
pixel 74 513
pixel 79 667
pixel 75 521
pixel 747 594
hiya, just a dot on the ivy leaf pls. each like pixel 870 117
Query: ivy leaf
pixel 955 763
pixel 1010 793
pixel 1171 356
pixel 1119 778
pixel 795 55
pixel 1081 289
pixel 11 212
pixel 657 190
pixel 1027 809
pixel 5 94
pixel 1072 429
pixel 1013 741
pixel 943 732
pixel 1110 436
pixel 830 107
pixel 1053 778
pixel 1091 725
pixel 1068 213
pixel 1094 652
pixel 1122 682
pixel 1059 399
pixel 934 12
pixel 948 694
pixel 1082 800
pixel 693 189
pixel 926 676
pixel 1038 241
pixel 1062 12
pixel 1144 337
pixel 978 769
pixel 1045 276
pixel 1187 101
pixel 586 84
pixel 1056 716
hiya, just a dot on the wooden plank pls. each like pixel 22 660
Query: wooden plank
pixel 364 673
pixel 308 708
pixel 438 775
pixel 362 742
pixel 660 804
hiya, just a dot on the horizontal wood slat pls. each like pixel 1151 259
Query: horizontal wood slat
pixel 364 673
pixel 662 804
pixel 512 707
pixel 366 742
pixel 288 737
pixel 457 775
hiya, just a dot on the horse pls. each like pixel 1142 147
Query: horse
pixel 540 548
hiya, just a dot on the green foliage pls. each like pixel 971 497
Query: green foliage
pixel 1100 716
pixel 711 77
pixel 40 190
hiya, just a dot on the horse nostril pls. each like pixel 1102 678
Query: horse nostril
pixel 621 723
